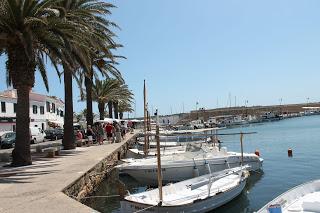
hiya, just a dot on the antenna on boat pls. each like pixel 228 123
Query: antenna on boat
pixel 159 159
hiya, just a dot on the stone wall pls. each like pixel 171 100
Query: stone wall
pixel 87 183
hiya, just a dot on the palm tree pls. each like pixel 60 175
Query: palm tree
pixel 102 64
pixel 124 95
pixel 110 90
pixel 89 16
pixel 30 31
pixel 125 106
pixel 103 91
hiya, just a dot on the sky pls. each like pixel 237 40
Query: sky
pixel 211 52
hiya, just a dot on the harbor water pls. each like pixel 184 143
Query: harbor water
pixel 280 172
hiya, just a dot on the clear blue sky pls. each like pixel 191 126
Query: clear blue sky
pixel 203 51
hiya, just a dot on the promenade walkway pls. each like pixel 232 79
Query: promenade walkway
pixel 38 187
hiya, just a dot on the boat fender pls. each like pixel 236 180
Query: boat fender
pixel 245 173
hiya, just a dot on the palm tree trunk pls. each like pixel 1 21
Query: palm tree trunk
pixel 68 137
pixel 21 155
pixel 110 106
pixel 116 113
pixel 22 74
pixel 121 115
pixel 101 110
pixel 88 84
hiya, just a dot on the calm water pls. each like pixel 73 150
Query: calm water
pixel 279 174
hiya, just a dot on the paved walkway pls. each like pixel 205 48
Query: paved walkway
pixel 37 188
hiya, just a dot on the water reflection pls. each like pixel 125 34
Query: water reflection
pixel 241 204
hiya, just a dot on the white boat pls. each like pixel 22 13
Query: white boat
pixel 136 153
pixel 303 198
pixel 167 150
pixel 200 194
pixel 187 165
pixel 153 144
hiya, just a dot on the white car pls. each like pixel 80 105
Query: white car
pixel 36 135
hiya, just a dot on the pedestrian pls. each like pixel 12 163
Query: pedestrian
pixel 90 135
pixel 100 133
pixel 123 129
pixel 113 132
pixel 108 130
pixel 79 135
pixel 117 132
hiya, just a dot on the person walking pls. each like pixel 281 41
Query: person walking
pixel 100 134
pixel 123 129
pixel 117 132
pixel 90 135
pixel 109 129
pixel 113 132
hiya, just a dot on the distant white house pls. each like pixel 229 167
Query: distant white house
pixel 169 119
pixel 45 111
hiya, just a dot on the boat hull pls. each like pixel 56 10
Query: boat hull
pixel 300 199
pixel 174 173
pixel 200 206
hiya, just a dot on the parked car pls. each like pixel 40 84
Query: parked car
pixel 36 135
pixel 8 140
pixel 54 134
pixel 3 133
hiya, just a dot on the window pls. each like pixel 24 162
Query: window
pixel 61 113
pixel 58 111
pixel 48 106
pixel 3 106
pixel 53 108
pixel 41 110
pixel 35 109
pixel 14 107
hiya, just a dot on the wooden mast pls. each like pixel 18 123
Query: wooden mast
pixel 145 118
pixel 159 160
pixel 241 144
pixel 148 129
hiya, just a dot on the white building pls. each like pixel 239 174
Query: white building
pixel 45 111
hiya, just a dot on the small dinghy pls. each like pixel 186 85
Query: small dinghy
pixel 303 198
pixel 200 194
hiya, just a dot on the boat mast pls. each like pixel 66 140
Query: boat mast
pixel 145 118
pixel 148 128
pixel 241 144
pixel 159 160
